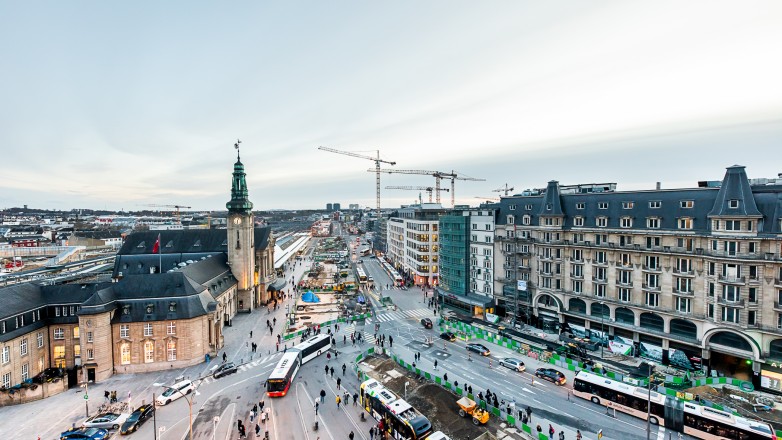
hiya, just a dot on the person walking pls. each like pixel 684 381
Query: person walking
pixel 445 378
pixel 371 433
pixel 251 334
pixel 344 367
pixel 331 370
pixel 350 436
pixel 261 405
pixel 539 429
pixel 339 382
pixel 327 370
pixel 322 396
pixel 355 399
pixel 435 364
pixel 316 407
pixel 225 357
pixel 561 435
pixel 529 414
pixel 578 434
pixel 338 400
pixel 257 430
pixel 391 342
pixel 551 432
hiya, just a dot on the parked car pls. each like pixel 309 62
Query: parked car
pixel 174 392
pixel 137 418
pixel 48 375
pixel 106 421
pixel 224 370
pixel 552 375
pixel 513 364
pixel 84 434
pixel 478 348
pixel 426 322
pixel 448 336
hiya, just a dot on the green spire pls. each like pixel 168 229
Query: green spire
pixel 240 202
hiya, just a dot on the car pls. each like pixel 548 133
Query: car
pixel 48 375
pixel 552 375
pixel 137 418
pixel 105 420
pixel 513 364
pixel 448 336
pixel 478 348
pixel 84 434
pixel 174 392
pixel 224 370
pixel 426 322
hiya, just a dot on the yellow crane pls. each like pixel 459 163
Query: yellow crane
pixel 177 207
pixel 428 189
pixel 377 161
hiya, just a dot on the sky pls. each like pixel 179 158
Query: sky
pixel 117 105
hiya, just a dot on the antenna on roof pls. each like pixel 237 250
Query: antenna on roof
pixel 236 145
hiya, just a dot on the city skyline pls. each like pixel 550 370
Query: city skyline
pixel 118 106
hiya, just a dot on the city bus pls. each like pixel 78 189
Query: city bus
pixel 693 419
pixel 361 275
pixel 282 376
pixel 399 418
pixel 398 281
pixel 312 347
pixel 365 252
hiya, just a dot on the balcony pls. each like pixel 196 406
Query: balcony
pixel 683 292
pixel 573 260
pixel 600 263
pixel 546 258
pixel 523 252
pixel 525 268
pixel 649 288
pixel 731 279
pixel 599 280
pixel 621 283
pixel 729 302
pixel 778 282
pixel 777 306
pixel 683 273
pixel 577 276
pixel 655 269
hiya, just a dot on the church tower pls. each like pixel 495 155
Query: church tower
pixel 241 236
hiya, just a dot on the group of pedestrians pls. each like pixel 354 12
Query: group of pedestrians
pixel 381 341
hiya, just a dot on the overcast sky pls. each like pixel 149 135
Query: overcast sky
pixel 120 104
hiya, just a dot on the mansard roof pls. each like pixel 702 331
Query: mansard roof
pixel 551 204
pixel 735 187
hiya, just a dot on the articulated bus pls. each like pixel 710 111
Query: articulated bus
pixel 693 419
pixel 399 418
pixel 312 347
pixel 282 376
pixel 362 276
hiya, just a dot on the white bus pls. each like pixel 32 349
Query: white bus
pixel 361 275
pixel 313 347
pixel 282 376
pixel 398 418
pixel 693 419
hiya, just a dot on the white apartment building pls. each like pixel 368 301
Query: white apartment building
pixel 413 242
pixel 482 252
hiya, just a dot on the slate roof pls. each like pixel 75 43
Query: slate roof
pixel 735 186
pixel 551 200
pixel 98 235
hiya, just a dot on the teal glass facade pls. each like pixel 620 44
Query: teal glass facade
pixel 454 253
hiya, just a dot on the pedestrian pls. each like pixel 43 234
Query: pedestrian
pixel 316 407
pixel 344 339
pixel 327 370
pixel 551 432
pixel 391 342
pixel 435 364
pixel 263 417
pixel 456 383
pixel 344 367
pixel 339 382
pixel 496 403
pixel 539 429
pixel 561 435
pixel 251 334
pixel 372 433
pixel 350 436
pixel 578 434
pixel 529 413
pixel 355 399
pixel 469 389
pixel 225 357
pixel 261 404
pixel 106 395
pixel 257 430
pixel 445 377
pixel 338 400
pixel 278 347
pixel 242 432
pixel 328 357
pixel 331 370
pixel 322 396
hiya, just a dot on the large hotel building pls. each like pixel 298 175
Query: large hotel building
pixel 687 277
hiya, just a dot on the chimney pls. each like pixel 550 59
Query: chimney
pixel 658 186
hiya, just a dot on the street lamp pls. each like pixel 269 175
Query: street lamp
pixel 649 401
pixel 189 404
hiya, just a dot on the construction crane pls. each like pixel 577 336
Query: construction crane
pixel 488 199
pixel 506 189
pixel 177 207
pixel 438 175
pixel 428 189
pixel 455 176
pixel 377 161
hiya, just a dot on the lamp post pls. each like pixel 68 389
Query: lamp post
pixel 189 404
pixel 649 401
pixel 602 329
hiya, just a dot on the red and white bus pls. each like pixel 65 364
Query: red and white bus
pixel 282 376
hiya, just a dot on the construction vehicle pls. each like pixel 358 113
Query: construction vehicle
pixel 469 406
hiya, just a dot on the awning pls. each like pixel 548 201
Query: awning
pixel 277 285
pixel 471 299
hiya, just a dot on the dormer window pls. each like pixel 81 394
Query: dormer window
pixel 628 205
pixel 580 205
pixel 510 219
pixel 655 204
pixel 548 206
pixel 141 245
pixel 602 205
pixel 526 220
pixel 601 222
pixel 626 222
pixel 686 203
pixel 733 204
pixel 126 310
pixel 150 309
pixel 172 307
pixel 528 207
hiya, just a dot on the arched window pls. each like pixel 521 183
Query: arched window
pixel 624 315
pixel 124 353
pixel 775 349
pixel 577 306
pixel 599 310
pixel 171 349
pixel 652 321
pixel 683 327
pixel 149 352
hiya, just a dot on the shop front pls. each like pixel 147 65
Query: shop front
pixel 475 306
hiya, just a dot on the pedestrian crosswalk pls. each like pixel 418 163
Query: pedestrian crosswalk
pixel 261 361
pixel 402 314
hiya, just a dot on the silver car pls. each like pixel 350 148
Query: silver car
pixel 513 364
pixel 106 421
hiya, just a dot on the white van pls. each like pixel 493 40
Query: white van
pixel 174 392
pixel 438 436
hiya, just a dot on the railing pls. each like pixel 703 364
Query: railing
pixel 652 269
pixel 680 272
pixel 650 288
pixel 621 283
pixel 683 292
pixel 732 280
pixel 777 305
pixel 599 280
pixel 577 277
pixel 730 302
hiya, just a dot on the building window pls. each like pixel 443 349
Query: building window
pixel 149 352
pixel 89 336
pixel 171 328
pixel 512 207
pixel 171 349
pixel 655 204
pixel 686 203
pixel 628 205
pixel 124 331
pixel 6 357
pixel 578 287
pixel 601 222
pixel 578 221
pixel 652 299
pixel 602 205
pixel 580 205
pixel 752 247
pixel 685 223
pixel 59 356
pixel 7 380
pixel 525 220
pixel 510 219
pixel 600 257
pixel 732 225
pixel 148 329
pixel 76 333
pixel 730 314
pixel 753 295
pixel 23 347
pixel 733 204
pixel 624 295
pixel 731 247
pixel 25 372
pixel 652 242
pixel 59 333
pixel 39 337
pixel 751 317
pixel 626 222
pixel 124 353
pixel 528 207
pixel 90 354
pixel 600 290
pixel 683 305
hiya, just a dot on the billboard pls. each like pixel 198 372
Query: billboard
pixel 521 284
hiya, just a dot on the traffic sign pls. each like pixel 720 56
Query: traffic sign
pixel 86 397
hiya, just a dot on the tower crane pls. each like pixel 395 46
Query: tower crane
pixel 438 175
pixel 505 189
pixel 177 207
pixel 455 176
pixel 428 189
pixel 377 161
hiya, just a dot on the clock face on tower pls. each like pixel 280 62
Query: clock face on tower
pixel 237 220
